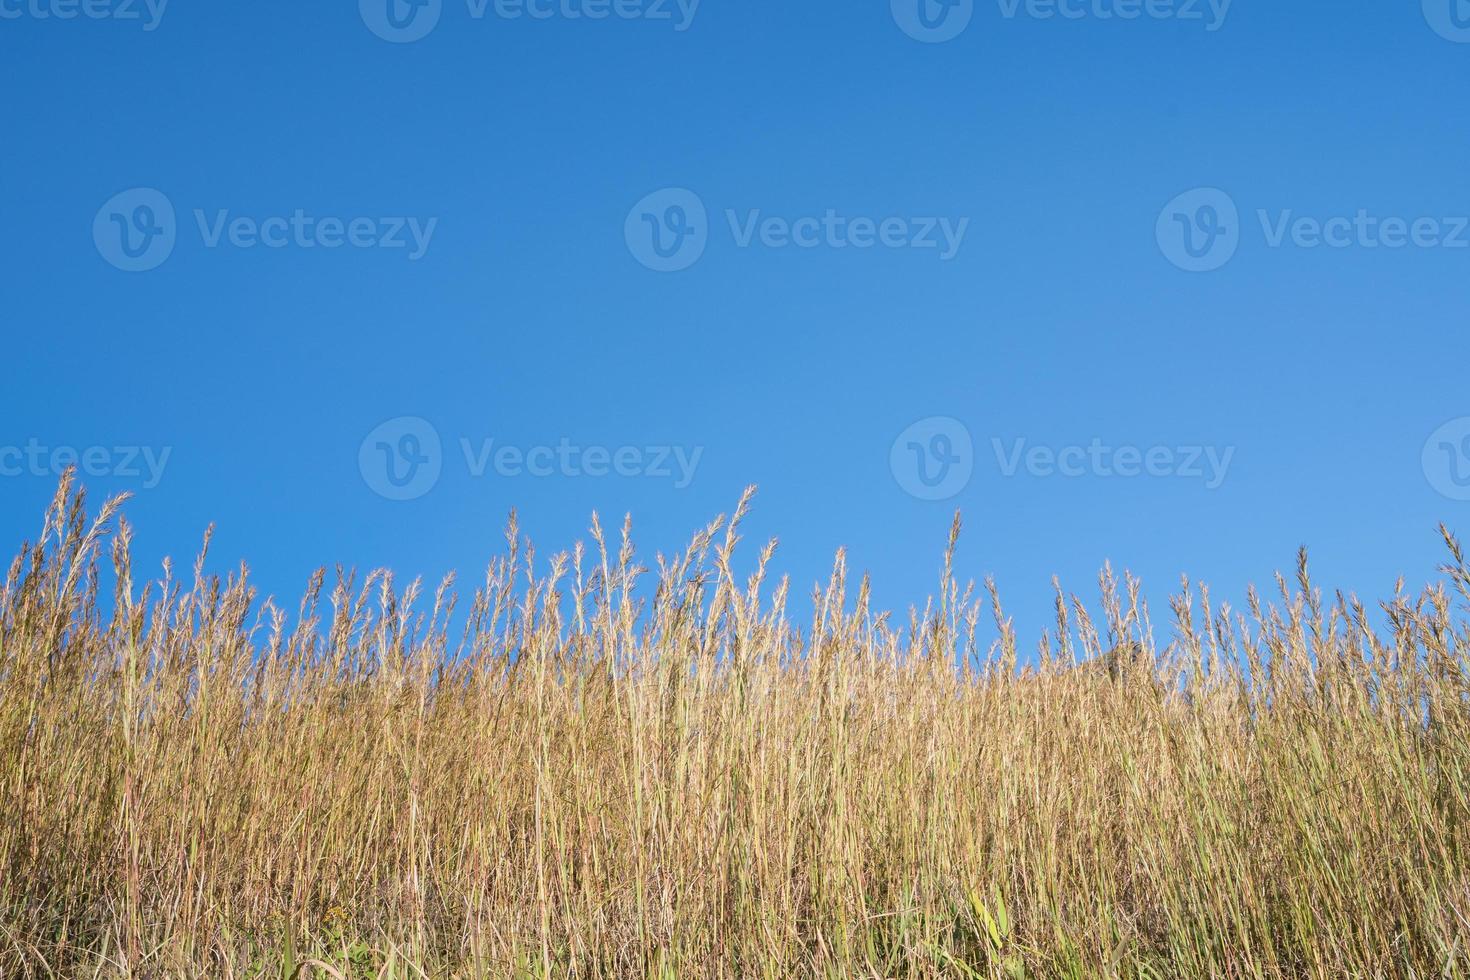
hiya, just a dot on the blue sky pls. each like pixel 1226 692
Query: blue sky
pixel 1183 289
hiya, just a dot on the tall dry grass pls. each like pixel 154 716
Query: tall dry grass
pixel 583 784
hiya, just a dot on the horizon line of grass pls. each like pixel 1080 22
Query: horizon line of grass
pixel 586 781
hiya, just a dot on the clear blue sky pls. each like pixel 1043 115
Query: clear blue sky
pixel 1061 153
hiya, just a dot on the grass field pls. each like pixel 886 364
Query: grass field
pixel 710 778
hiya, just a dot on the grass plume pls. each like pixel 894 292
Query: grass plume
pixel 578 775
